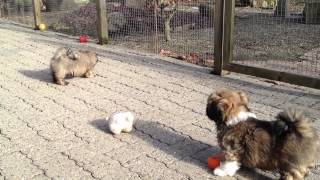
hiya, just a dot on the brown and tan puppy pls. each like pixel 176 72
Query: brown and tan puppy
pixel 289 144
pixel 73 63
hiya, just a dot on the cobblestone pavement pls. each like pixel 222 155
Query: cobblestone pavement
pixel 49 131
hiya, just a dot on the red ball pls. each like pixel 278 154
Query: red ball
pixel 213 162
pixel 218 156
pixel 83 39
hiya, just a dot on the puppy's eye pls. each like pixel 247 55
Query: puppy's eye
pixel 127 119
pixel 231 143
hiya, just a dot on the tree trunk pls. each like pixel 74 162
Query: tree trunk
pixel 167 28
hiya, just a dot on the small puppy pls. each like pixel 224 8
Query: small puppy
pixel 120 122
pixel 74 63
pixel 288 144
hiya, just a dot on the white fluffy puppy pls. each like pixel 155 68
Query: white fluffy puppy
pixel 120 122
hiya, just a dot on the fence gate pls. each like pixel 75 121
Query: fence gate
pixel 278 40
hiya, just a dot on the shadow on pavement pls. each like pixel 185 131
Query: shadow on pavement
pixel 41 75
pixel 177 145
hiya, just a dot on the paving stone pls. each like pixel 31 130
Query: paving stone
pixel 199 134
pixel 18 166
pixel 147 168
pixel 109 169
pixel 193 169
pixel 40 177
pixel 160 132
pixel 59 166
pixel 133 151
pixel 307 100
pixel 42 149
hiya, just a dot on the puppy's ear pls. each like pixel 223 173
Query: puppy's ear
pixel 211 110
pixel 224 105
pixel 243 97
pixel 220 92
pixel 213 98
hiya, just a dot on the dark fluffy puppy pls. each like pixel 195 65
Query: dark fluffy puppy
pixel 288 144
pixel 74 63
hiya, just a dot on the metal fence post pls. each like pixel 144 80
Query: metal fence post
pixel 36 13
pixel 102 23
pixel 223 34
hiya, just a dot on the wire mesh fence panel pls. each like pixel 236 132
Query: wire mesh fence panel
pixel 281 35
pixel 181 29
pixel 175 28
pixel 185 30
pixel 73 17
pixel 131 25
pixel 17 10
pixel 65 16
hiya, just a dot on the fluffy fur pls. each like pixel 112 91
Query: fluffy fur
pixel 289 144
pixel 73 63
pixel 120 122
pixel 227 168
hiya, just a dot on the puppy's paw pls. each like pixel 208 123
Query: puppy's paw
pixel 231 167
pixel 219 172
pixel 127 129
pixel 115 131
pixel 89 74
pixel 228 168
pixel 62 82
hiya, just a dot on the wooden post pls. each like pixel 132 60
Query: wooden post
pixel 218 27
pixel 223 37
pixel 228 28
pixel 102 21
pixel 36 13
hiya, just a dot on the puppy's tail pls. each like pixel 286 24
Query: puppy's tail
pixel 294 121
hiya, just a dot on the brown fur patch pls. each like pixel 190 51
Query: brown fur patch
pixel 230 102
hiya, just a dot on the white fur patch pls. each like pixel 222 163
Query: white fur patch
pixel 120 122
pixel 227 168
pixel 242 116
